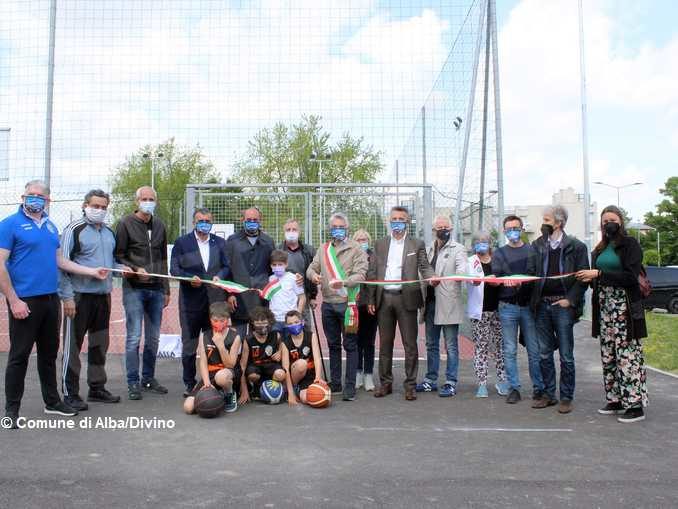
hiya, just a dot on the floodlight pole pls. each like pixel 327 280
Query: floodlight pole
pixel 584 131
pixel 50 94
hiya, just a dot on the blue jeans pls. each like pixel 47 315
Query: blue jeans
pixel 555 331
pixel 511 317
pixel 333 325
pixel 142 305
pixel 451 332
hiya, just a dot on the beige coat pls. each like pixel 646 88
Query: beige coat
pixel 452 259
pixel 354 261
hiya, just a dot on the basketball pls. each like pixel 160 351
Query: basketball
pixel 318 395
pixel 209 402
pixel 271 392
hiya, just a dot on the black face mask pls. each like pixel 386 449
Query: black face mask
pixel 443 235
pixel 262 330
pixel 611 230
pixel 547 230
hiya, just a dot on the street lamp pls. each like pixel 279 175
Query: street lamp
pixel 152 159
pixel 618 187
pixel 316 159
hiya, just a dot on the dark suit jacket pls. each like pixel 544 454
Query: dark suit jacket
pixel 415 262
pixel 186 262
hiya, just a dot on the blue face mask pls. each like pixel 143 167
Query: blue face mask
pixel 278 271
pixel 203 227
pixel 398 226
pixel 482 247
pixel 513 236
pixel 338 233
pixel 147 207
pixel 251 227
pixel 365 246
pixel 34 204
pixel 295 329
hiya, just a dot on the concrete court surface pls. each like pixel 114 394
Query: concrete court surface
pixel 456 452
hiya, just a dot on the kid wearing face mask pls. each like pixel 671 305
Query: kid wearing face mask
pixel 218 359
pixel 300 356
pixel 261 355
pixel 286 293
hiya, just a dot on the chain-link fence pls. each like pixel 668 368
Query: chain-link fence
pixel 366 205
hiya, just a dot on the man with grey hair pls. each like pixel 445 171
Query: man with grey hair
pixel 87 302
pixel 142 246
pixel 338 267
pixel 443 309
pixel 557 303
pixel 30 259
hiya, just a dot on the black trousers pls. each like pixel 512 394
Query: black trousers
pixel 93 312
pixel 42 329
pixel 192 321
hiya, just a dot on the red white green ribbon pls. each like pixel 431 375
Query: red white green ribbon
pixel 516 278
pixel 337 273
pixel 228 286
pixel 268 291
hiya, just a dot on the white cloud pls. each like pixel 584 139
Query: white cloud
pixel 631 96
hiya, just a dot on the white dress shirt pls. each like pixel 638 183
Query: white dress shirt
pixel 394 262
pixel 204 246
pixel 556 242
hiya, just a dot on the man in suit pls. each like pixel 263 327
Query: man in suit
pixel 198 255
pixel 397 257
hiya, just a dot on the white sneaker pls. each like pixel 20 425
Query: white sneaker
pixel 369 382
pixel 359 379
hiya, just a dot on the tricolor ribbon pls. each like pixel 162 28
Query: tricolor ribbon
pixel 228 286
pixel 273 287
pixel 337 273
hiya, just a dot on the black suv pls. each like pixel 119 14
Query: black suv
pixel 664 288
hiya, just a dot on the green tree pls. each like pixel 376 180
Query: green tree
pixel 286 154
pixel 665 222
pixel 177 167
pixel 305 153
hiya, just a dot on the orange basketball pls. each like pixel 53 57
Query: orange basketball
pixel 318 395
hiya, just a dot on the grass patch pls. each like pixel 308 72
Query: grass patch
pixel 661 345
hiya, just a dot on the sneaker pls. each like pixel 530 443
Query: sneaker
pixel 76 403
pixel 102 396
pixel 427 386
pixel 447 390
pixel 336 388
pixel 60 408
pixel 502 388
pixel 152 385
pixel 349 395
pixel 369 382
pixel 359 379
pixel 10 419
pixel 188 390
pixel 513 397
pixel 634 414
pixel 134 391
pixel 482 391
pixel 544 402
pixel 612 409
pixel 230 402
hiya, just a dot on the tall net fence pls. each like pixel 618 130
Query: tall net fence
pixel 88 87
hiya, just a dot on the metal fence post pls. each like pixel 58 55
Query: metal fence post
pixel 428 215
pixel 190 207
pixel 308 214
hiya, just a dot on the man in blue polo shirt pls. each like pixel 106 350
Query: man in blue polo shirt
pixel 29 261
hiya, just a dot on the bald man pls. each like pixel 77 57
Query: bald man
pixel 248 252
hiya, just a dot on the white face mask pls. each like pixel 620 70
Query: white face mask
pixel 291 236
pixel 147 207
pixel 95 215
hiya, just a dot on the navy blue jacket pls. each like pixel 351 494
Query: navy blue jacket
pixel 186 262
